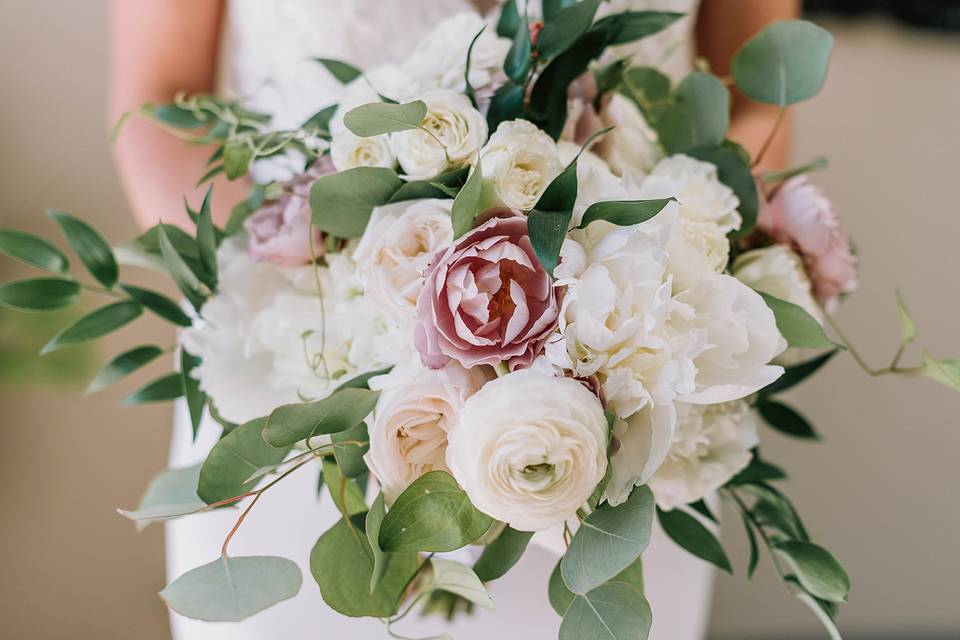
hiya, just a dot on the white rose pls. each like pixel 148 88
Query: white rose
pixel 416 410
pixel 518 163
pixel 632 146
pixel 778 271
pixel 399 242
pixel 702 197
pixel 529 449
pixel 348 151
pixel 711 444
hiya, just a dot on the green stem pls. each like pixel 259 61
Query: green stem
pixel 770 136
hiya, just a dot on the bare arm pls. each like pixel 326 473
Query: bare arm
pixel 158 49
pixel 722 27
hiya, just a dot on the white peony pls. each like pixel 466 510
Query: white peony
pixel 711 444
pixel 348 150
pixel 518 163
pixel 696 248
pixel 529 449
pixel 778 271
pixel 632 146
pixel 416 410
pixel 399 242
pixel 451 133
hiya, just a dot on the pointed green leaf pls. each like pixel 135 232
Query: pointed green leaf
pixel 798 327
pixel 122 366
pixel 185 279
pixel 509 20
pixel 820 611
pixel 757 471
pixel 172 493
pixel 377 118
pixel 447 575
pixel 342 71
pixel 468 88
pixel 517 63
pixel 754 550
pixel 700 506
pixel 945 371
pixel 227 470
pixel 207 240
pixel 362 381
pixel 612 611
pixel 95 325
pixel 338 412
pixel 786 420
pixel 816 569
pixel 687 532
pixel 499 556
pixel 39 294
pixel 373 522
pixel 465 205
pixel 734 171
pixel 341 203
pixel 33 250
pixel 565 27
pixel 233 589
pixel 506 104
pixel 196 399
pixel 908 330
pixel 775 177
pixel 630 26
pixel 159 304
pixel 144 251
pixel 169 387
pixel 90 246
pixel 623 213
pixel 432 514
pixel 796 374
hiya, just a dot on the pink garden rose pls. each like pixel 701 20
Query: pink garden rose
pixel 278 230
pixel 486 299
pixel 800 215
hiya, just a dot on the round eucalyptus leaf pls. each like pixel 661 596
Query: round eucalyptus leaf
pixel 377 118
pixel 172 493
pixel 228 468
pixel 612 611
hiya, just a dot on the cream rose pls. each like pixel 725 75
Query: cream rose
pixel 451 133
pixel 416 410
pixel 518 163
pixel 348 150
pixel 398 244
pixel 529 448
pixel 711 444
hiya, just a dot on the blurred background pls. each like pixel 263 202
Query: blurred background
pixel 881 492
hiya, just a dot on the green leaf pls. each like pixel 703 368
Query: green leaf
pixel 373 522
pixel 33 250
pixel 782 176
pixel 238 153
pixel 95 325
pixel 447 575
pixel 39 294
pixel 196 399
pixel 624 212
pixel 342 202
pixel 432 514
pixel 446 185
pixel 816 568
pixel 773 509
pixel 144 251
pixel 342 71
pixel 945 371
pixel 754 550
pixel 908 330
pixel 377 118
pixel 233 589
pixel 169 387
pixel 517 63
pixel 239 454
pixel 90 246
pixel 646 87
pixel 159 304
pixel 207 241
pixel 798 327
pixel 320 121
pixel 565 27
pixel 509 20
pixel 362 381
pixel 499 556
pixel 466 204
pixel 612 611
pixel 548 222
pixel 351 502
pixel 734 171
pixel 185 279
pixel 342 564
pixel 350 456
pixel 701 507
pixel 687 532
pixel 173 116
pixel 608 541
pixel 758 471
pixel 122 366
pixel 506 104
pixel 786 420
pixel 557 592
pixel 699 117
pixel 783 64
pixel 172 493
pixel 550 8
pixel 796 374
pixel 630 26
pixel 337 412
pixel 468 88
pixel 821 612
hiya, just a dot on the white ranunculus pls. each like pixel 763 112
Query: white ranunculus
pixel 399 242
pixel 416 410
pixel 348 151
pixel 440 59
pixel 518 162
pixel 778 271
pixel 711 444
pixel 529 449
pixel 632 145
pixel 451 133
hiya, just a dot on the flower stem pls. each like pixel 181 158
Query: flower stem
pixel 770 137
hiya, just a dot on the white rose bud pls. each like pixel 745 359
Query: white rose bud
pixel 399 242
pixel 416 410
pixel 529 449
pixel 519 162
pixel 348 151
pixel 450 134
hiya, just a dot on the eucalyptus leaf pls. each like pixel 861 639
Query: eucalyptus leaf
pixel 699 117
pixel 342 564
pixel 557 592
pixel 172 493
pixel 95 325
pixel 466 204
pixel 608 541
pixel 816 569
pixel 362 381
pixel 185 279
pixel 342 71
pixel 174 116
pixel 612 611
pixel 39 294
pixel 33 250
pixel 451 576
pixel 377 118
pixel 372 525
pixel 227 470
pixel 786 420
pixel 345 493
pixel 169 387
pixel 232 589
pixel 319 123
pixel 90 246
pixel 349 455
pixel 783 64
pixel 687 532
pixel 647 87
pixel 798 327
pixel 432 514
pixel 122 366
pixel 624 213
pixel 337 412
pixel 502 554
pixel 341 203
pixel 566 26
pixel 908 330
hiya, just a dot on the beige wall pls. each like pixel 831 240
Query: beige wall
pixel 881 492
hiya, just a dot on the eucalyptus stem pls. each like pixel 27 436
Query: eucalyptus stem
pixel 773 132
pixel 323 307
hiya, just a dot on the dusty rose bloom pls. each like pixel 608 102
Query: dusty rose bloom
pixel 800 215
pixel 278 229
pixel 486 299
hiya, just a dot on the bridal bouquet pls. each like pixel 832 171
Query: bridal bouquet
pixel 512 284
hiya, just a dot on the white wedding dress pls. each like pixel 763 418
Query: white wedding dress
pixel 267 47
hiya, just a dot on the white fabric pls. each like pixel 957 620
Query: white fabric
pixel 268 47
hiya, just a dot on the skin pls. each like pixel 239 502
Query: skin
pixel 161 48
